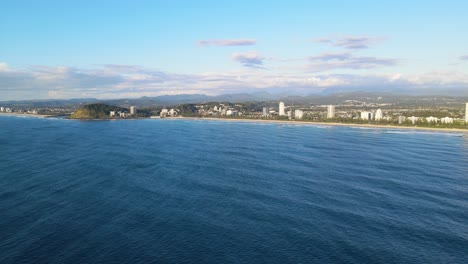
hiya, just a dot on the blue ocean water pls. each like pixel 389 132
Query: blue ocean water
pixel 185 191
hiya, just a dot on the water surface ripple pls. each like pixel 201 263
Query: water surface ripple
pixel 173 191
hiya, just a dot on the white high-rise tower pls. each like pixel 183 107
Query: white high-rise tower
pixel 378 115
pixel 132 110
pixel 281 109
pixel 331 111
pixel 466 113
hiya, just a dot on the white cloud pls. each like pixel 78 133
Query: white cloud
pixel 249 59
pixel 3 66
pixel 119 81
pixel 332 61
pixel 351 42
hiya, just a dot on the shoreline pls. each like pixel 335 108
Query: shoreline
pixel 451 130
pixel 290 122
pixel 30 115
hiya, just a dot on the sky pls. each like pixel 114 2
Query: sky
pixel 127 49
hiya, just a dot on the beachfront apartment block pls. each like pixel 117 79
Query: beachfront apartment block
pixel 367 115
pixel 378 115
pixel 132 110
pixel 298 114
pixel 281 109
pixel 446 120
pixel 266 111
pixel 331 111
pixel 466 113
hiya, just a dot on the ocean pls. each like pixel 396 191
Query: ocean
pixel 197 191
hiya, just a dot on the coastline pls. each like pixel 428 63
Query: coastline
pixel 29 115
pixel 286 122
pixel 325 124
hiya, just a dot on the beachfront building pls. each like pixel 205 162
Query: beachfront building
pixel 414 119
pixel 173 112
pixel 112 113
pixel 2 109
pixel 367 115
pixel 446 120
pixel 378 115
pixel 432 119
pixel 281 109
pixel 163 112
pixel 132 110
pixel 266 111
pixel 331 111
pixel 401 119
pixel 298 114
pixel 466 113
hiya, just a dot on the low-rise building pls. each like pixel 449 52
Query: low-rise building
pixel 401 119
pixel 173 112
pixel 414 119
pixel 446 120
pixel 163 112
pixel 432 119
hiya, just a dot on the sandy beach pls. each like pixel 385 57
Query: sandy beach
pixel 28 115
pixel 326 124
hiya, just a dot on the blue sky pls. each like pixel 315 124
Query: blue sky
pixel 114 49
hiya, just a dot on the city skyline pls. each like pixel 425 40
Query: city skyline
pixel 55 50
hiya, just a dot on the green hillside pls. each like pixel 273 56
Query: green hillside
pixel 95 111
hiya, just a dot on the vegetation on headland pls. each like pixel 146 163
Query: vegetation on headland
pixel 95 111
pixel 102 111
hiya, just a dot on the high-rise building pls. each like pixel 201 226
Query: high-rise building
pixel 266 111
pixel 366 115
pixel 466 113
pixel 298 114
pixel 281 109
pixel 331 111
pixel 291 113
pixel 378 115
pixel 132 110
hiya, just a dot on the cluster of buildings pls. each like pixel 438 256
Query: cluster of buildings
pixel 291 114
pixel 220 110
pixel 11 110
pixel 6 109
pixel 431 119
pixel 169 113
pixel 376 115
pixel 124 114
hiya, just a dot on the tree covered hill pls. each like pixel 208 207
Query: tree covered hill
pixel 95 111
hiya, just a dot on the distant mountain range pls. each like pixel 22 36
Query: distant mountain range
pixel 171 100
